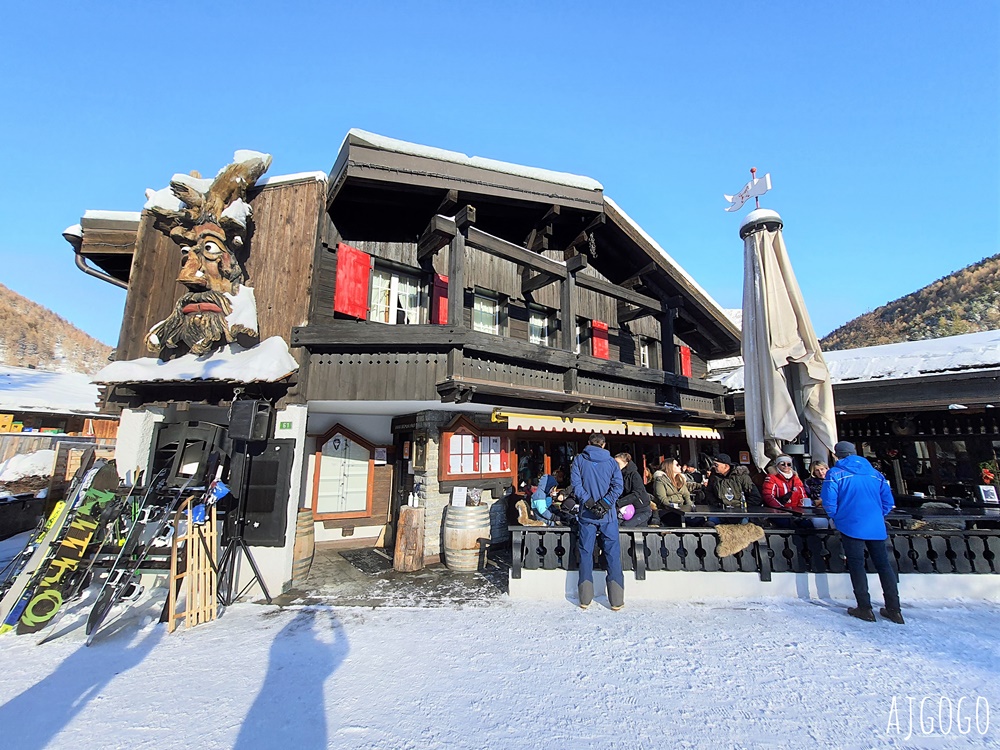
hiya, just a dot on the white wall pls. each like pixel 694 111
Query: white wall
pixel 560 585
pixel 135 441
pixel 275 563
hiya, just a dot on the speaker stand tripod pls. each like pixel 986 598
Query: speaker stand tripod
pixel 237 544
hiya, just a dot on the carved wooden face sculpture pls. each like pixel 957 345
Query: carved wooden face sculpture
pixel 217 308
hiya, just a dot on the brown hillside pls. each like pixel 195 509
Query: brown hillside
pixel 962 302
pixel 34 335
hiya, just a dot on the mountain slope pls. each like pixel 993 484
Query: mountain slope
pixel 32 335
pixel 965 301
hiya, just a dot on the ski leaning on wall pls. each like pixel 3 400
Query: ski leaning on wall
pixel 152 524
pixel 19 593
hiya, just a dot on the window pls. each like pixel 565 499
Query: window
pixel 581 326
pixel 468 452
pixel 644 352
pixel 342 479
pixel 540 327
pixel 485 314
pixel 396 298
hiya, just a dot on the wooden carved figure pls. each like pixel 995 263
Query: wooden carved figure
pixel 210 220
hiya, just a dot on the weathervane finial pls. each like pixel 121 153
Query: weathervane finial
pixel 753 189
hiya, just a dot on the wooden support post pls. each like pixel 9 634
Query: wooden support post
pixel 455 358
pixel 567 303
pixel 569 380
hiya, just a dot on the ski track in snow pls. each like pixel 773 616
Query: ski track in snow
pixel 509 674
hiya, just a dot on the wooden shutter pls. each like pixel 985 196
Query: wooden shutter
pixel 350 295
pixel 439 300
pixel 685 361
pixel 599 339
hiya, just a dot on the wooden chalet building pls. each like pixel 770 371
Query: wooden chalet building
pixel 456 321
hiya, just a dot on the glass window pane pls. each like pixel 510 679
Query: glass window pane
pixel 380 301
pixel 343 476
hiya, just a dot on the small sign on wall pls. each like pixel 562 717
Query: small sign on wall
pixel 380 456
pixel 284 425
pixel 744 458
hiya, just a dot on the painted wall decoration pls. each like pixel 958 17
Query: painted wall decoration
pixel 211 222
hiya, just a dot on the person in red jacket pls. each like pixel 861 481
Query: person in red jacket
pixel 783 489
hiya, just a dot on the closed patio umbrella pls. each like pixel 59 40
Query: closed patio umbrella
pixel 787 382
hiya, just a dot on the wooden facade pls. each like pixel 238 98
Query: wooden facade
pixel 590 319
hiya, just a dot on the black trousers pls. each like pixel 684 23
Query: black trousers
pixel 854 549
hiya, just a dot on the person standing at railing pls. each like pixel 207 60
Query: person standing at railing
pixel 858 498
pixel 634 494
pixel 597 485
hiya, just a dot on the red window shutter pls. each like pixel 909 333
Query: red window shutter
pixel 351 293
pixel 439 300
pixel 686 361
pixel 599 339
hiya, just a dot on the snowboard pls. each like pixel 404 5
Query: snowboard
pixel 62 578
pixel 18 594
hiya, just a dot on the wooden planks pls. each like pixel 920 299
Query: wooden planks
pixel 193 567
pixel 409 553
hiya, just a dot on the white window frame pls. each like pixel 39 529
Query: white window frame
pixel 645 351
pixel 479 326
pixel 540 319
pixel 388 295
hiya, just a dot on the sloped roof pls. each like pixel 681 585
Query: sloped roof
pixel 907 359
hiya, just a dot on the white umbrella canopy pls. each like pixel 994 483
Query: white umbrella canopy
pixel 779 344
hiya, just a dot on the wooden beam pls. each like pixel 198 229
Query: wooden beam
pixel 533 283
pixel 581 407
pixel 582 236
pixel 515 253
pixel 635 278
pixel 538 238
pixel 449 204
pixel 615 291
pixel 456 279
pixel 577 263
pixel 625 313
pixel 439 232
pixel 466 217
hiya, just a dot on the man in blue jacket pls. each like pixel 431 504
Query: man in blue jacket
pixel 597 484
pixel 858 499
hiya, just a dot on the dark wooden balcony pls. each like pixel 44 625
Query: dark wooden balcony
pixel 366 360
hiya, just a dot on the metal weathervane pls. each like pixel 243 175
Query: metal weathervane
pixel 753 189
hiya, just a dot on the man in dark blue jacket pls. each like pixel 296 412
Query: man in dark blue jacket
pixel 858 499
pixel 597 484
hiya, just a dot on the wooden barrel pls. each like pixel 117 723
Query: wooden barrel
pixel 305 546
pixel 464 526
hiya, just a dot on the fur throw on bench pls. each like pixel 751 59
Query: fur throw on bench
pixel 523 518
pixel 735 538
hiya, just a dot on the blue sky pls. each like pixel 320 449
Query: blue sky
pixel 879 122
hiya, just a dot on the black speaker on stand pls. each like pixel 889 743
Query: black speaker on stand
pixel 249 422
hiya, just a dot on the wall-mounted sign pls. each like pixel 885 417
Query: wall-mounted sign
pixel 284 425
pixel 380 456
pixel 406 450
pixel 745 458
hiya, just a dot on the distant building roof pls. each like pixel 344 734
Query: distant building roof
pixel 24 389
pixel 907 359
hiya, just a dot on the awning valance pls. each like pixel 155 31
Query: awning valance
pixel 687 431
pixel 560 423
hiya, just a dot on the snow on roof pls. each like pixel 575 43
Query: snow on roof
pixel 720 311
pixel 295 177
pixel 266 362
pixel 24 389
pixel 112 215
pixel 383 143
pixel 907 359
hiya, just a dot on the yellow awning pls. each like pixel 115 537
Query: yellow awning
pixel 560 423
pixel 639 428
pixel 687 431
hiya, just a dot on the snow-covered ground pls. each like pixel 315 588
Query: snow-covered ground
pixel 37 464
pixel 510 674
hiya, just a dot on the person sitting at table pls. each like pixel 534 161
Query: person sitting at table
pixel 783 489
pixel 728 489
pixel 634 494
pixel 814 484
pixel 670 488
pixel 541 499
